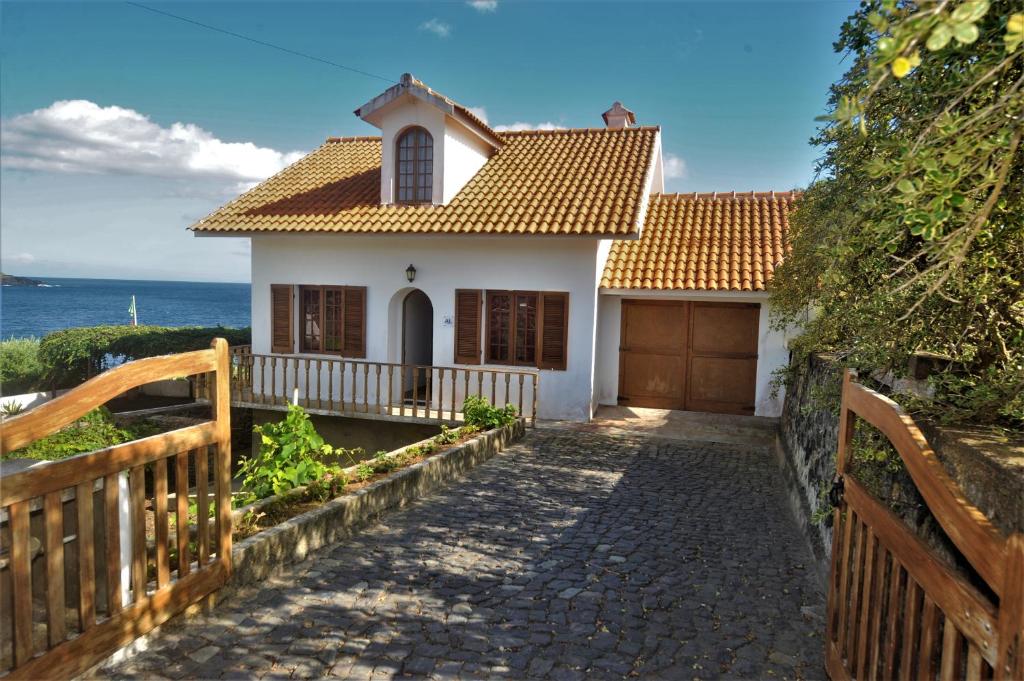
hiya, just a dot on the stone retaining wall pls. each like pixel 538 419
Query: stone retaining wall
pixel 987 466
pixel 805 447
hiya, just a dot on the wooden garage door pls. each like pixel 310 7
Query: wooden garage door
pixel 689 355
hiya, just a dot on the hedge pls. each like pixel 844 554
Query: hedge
pixel 20 368
pixel 70 356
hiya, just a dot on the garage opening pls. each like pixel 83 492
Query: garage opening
pixel 692 355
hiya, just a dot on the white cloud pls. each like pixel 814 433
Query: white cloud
pixel 519 125
pixel 478 111
pixel 79 136
pixel 20 258
pixel 483 6
pixel 437 27
pixel 675 167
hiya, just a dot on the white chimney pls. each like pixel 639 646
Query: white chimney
pixel 618 117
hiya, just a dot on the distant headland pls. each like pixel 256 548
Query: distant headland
pixel 11 280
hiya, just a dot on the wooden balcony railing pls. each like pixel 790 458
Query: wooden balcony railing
pixel 358 388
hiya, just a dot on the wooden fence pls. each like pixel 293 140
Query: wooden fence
pixel 896 610
pixel 90 559
pixel 356 387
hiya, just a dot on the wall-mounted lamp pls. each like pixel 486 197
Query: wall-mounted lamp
pixel 410 273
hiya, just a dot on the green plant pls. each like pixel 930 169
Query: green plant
pixel 364 471
pixel 95 430
pixel 291 455
pixel 447 435
pixel 477 411
pixel 68 357
pixel 11 408
pixel 20 368
pixel 382 463
pixel 912 240
pixel 328 487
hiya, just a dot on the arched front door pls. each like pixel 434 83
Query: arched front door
pixel 417 344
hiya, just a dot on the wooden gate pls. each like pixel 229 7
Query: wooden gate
pixel 895 608
pixel 90 560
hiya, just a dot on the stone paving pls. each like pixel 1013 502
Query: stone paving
pixel 572 555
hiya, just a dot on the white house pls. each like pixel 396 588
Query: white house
pixel 443 243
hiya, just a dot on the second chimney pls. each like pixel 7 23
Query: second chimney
pixel 618 117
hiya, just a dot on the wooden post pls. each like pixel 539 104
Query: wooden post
pixel 86 556
pixel 55 621
pixel 163 571
pixel 1010 655
pixel 222 417
pixel 366 388
pixel 319 395
pixel 21 581
pixel 415 389
pixel 377 388
pixel 536 396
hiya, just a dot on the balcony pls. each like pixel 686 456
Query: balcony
pixel 374 390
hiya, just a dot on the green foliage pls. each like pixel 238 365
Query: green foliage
pixel 447 436
pixel 70 356
pixel 364 471
pixel 477 411
pixel 291 455
pixel 20 368
pixel 328 487
pixel 95 430
pixel 11 408
pixel 913 240
pixel 382 463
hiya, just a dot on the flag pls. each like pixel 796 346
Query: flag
pixel 132 313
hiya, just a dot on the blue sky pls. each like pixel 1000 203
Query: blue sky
pixel 168 120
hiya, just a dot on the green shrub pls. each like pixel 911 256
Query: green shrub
pixel 291 453
pixel 95 430
pixel 477 411
pixel 70 356
pixel 20 368
pixel 364 471
pixel 328 487
pixel 447 436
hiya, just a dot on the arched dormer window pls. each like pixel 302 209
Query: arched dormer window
pixel 415 166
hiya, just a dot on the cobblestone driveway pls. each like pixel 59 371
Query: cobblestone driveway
pixel 571 555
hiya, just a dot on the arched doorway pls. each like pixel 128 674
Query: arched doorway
pixel 417 344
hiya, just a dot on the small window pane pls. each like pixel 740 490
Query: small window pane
pixel 415 166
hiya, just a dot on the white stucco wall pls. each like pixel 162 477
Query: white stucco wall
pixel 771 344
pixel 443 264
pixel 464 154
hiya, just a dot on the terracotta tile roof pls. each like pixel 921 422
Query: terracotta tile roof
pixel 704 242
pixel 580 181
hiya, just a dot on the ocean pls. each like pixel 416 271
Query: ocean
pixel 37 310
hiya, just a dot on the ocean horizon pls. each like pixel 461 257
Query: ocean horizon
pixel 34 311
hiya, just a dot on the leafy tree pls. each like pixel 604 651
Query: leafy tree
pixel 913 237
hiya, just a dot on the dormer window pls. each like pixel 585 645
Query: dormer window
pixel 415 166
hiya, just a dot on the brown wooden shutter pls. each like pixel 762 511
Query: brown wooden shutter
pixel 281 318
pixel 554 331
pixel 354 342
pixel 467 326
